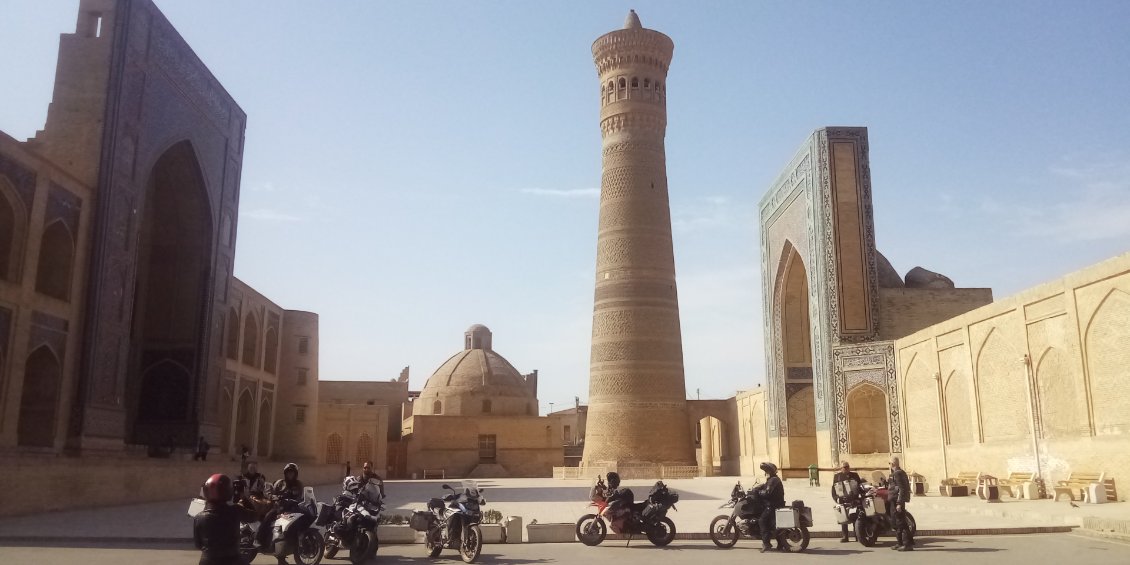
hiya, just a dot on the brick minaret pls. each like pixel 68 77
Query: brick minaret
pixel 637 394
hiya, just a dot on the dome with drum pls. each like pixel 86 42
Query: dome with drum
pixel 478 381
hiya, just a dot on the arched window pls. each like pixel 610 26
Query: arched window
pixel 364 448
pixel 42 380
pixel 271 351
pixel 437 407
pixel 56 257
pixel 333 448
pixel 11 231
pixel 232 342
pixel 486 407
pixel 635 82
pixel 647 83
pixel 611 86
pixel 250 341
pixel 623 83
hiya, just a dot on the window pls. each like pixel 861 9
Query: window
pixel 271 351
pixel 647 83
pixel 486 407
pixel 299 414
pixel 364 448
pixel 303 345
pixel 10 230
pixel 333 448
pixel 437 407
pixel 251 341
pixel 301 380
pixel 635 82
pixel 488 447
pixel 232 344
pixel 567 435
pixel 623 83
pixel 56 256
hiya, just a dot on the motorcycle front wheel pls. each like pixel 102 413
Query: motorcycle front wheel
pixel 723 532
pixel 797 539
pixel 310 548
pixel 433 542
pixel 364 547
pixel 472 543
pixel 591 530
pixel 661 533
pixel 913 525
pixel 331 542
pixel 866 531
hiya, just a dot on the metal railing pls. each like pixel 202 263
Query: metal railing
pixel 628 472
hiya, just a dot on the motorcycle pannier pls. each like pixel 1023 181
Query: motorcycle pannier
pixel 325 514
pixel 419 520
pixel 786 518
pixel 841 514
pixel 846 488
pixel 874 505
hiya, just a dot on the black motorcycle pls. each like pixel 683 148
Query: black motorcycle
pixel 351 521
pixel 625 516
pixel 452 522
pixel 792 522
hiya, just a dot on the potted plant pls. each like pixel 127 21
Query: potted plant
pixel 550 533
pixel 393 528
pixel 491 526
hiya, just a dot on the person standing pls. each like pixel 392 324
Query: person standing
pixel 846 475
pixel 772 494
pixel 215 531
pixel 899 494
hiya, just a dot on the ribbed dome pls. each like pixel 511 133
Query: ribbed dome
pixel 478 380
pixel 478 369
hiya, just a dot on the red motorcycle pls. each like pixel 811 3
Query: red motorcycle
pixel 648 517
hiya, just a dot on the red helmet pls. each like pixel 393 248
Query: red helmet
pixel 218 488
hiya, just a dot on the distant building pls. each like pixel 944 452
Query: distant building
pixel 122 329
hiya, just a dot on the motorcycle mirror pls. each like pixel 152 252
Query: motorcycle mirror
pixel 446 486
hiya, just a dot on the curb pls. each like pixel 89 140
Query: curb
pixel 820 534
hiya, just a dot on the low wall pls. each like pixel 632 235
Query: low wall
pixel 43 484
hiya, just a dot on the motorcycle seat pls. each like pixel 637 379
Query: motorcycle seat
pixel 639 506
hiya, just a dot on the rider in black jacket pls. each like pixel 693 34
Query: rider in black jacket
pixel 845 474
pixel 899 494
pixel 216 530
pixel 773 494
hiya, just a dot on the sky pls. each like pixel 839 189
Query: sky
pixel 414 168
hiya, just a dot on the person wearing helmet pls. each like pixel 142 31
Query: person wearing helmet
pixel 772 492
pixel 216 530
pixel 286 491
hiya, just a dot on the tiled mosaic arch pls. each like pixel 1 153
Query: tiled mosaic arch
pixel 820 206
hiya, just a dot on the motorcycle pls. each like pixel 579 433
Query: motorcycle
pixel 792 522
pixel 292 533
pixel 351 521
pixel 452 522
pixel 625 516
pixel 873 515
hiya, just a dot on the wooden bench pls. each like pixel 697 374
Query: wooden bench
pixel 1078 482
pixel 1015 482
pixel 967 479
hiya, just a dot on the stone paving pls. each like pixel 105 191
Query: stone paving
pixel 549 501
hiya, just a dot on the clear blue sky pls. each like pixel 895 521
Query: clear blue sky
pixel 413 168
